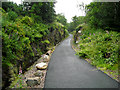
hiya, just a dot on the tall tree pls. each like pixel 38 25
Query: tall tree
pixel 75 22
pixel 103 15
pixel 41 11
pixel 61 18
pixel 10 6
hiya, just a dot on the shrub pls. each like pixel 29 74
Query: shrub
pixel 12 15
pixel 99 46
pixel 23 41
pixel 27 20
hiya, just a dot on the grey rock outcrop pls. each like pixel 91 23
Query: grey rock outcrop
pixel 33 81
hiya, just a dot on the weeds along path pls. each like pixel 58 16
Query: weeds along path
pixel 66 70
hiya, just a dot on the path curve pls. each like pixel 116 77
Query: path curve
pixel 66 70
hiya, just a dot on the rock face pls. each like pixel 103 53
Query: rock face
pixel 41 66
pixel 33 81
pixel 38 73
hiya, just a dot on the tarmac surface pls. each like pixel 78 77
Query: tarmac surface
pixel 66 70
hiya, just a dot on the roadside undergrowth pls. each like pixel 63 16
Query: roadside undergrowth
pixel 20 81
pixel 98 47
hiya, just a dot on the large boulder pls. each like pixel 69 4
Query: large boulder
pixel 38 73
pixel 33 81
pixel 41 66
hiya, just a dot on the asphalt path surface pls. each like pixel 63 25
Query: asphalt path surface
pixel 66 70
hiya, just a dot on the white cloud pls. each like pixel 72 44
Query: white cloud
pixel 69 8
pixel 16 1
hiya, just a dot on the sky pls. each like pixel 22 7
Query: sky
pixel 69 8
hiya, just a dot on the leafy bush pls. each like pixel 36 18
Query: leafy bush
pixel 24 39
pixel 66 32
pixel 27 20
pixel 46 41
pixel 12 15
pixel 99 46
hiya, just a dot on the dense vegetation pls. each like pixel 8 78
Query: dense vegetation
pixel 28 31
pixel 61 18
pixel 75 22
pixel 104 15
pixel 97 40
